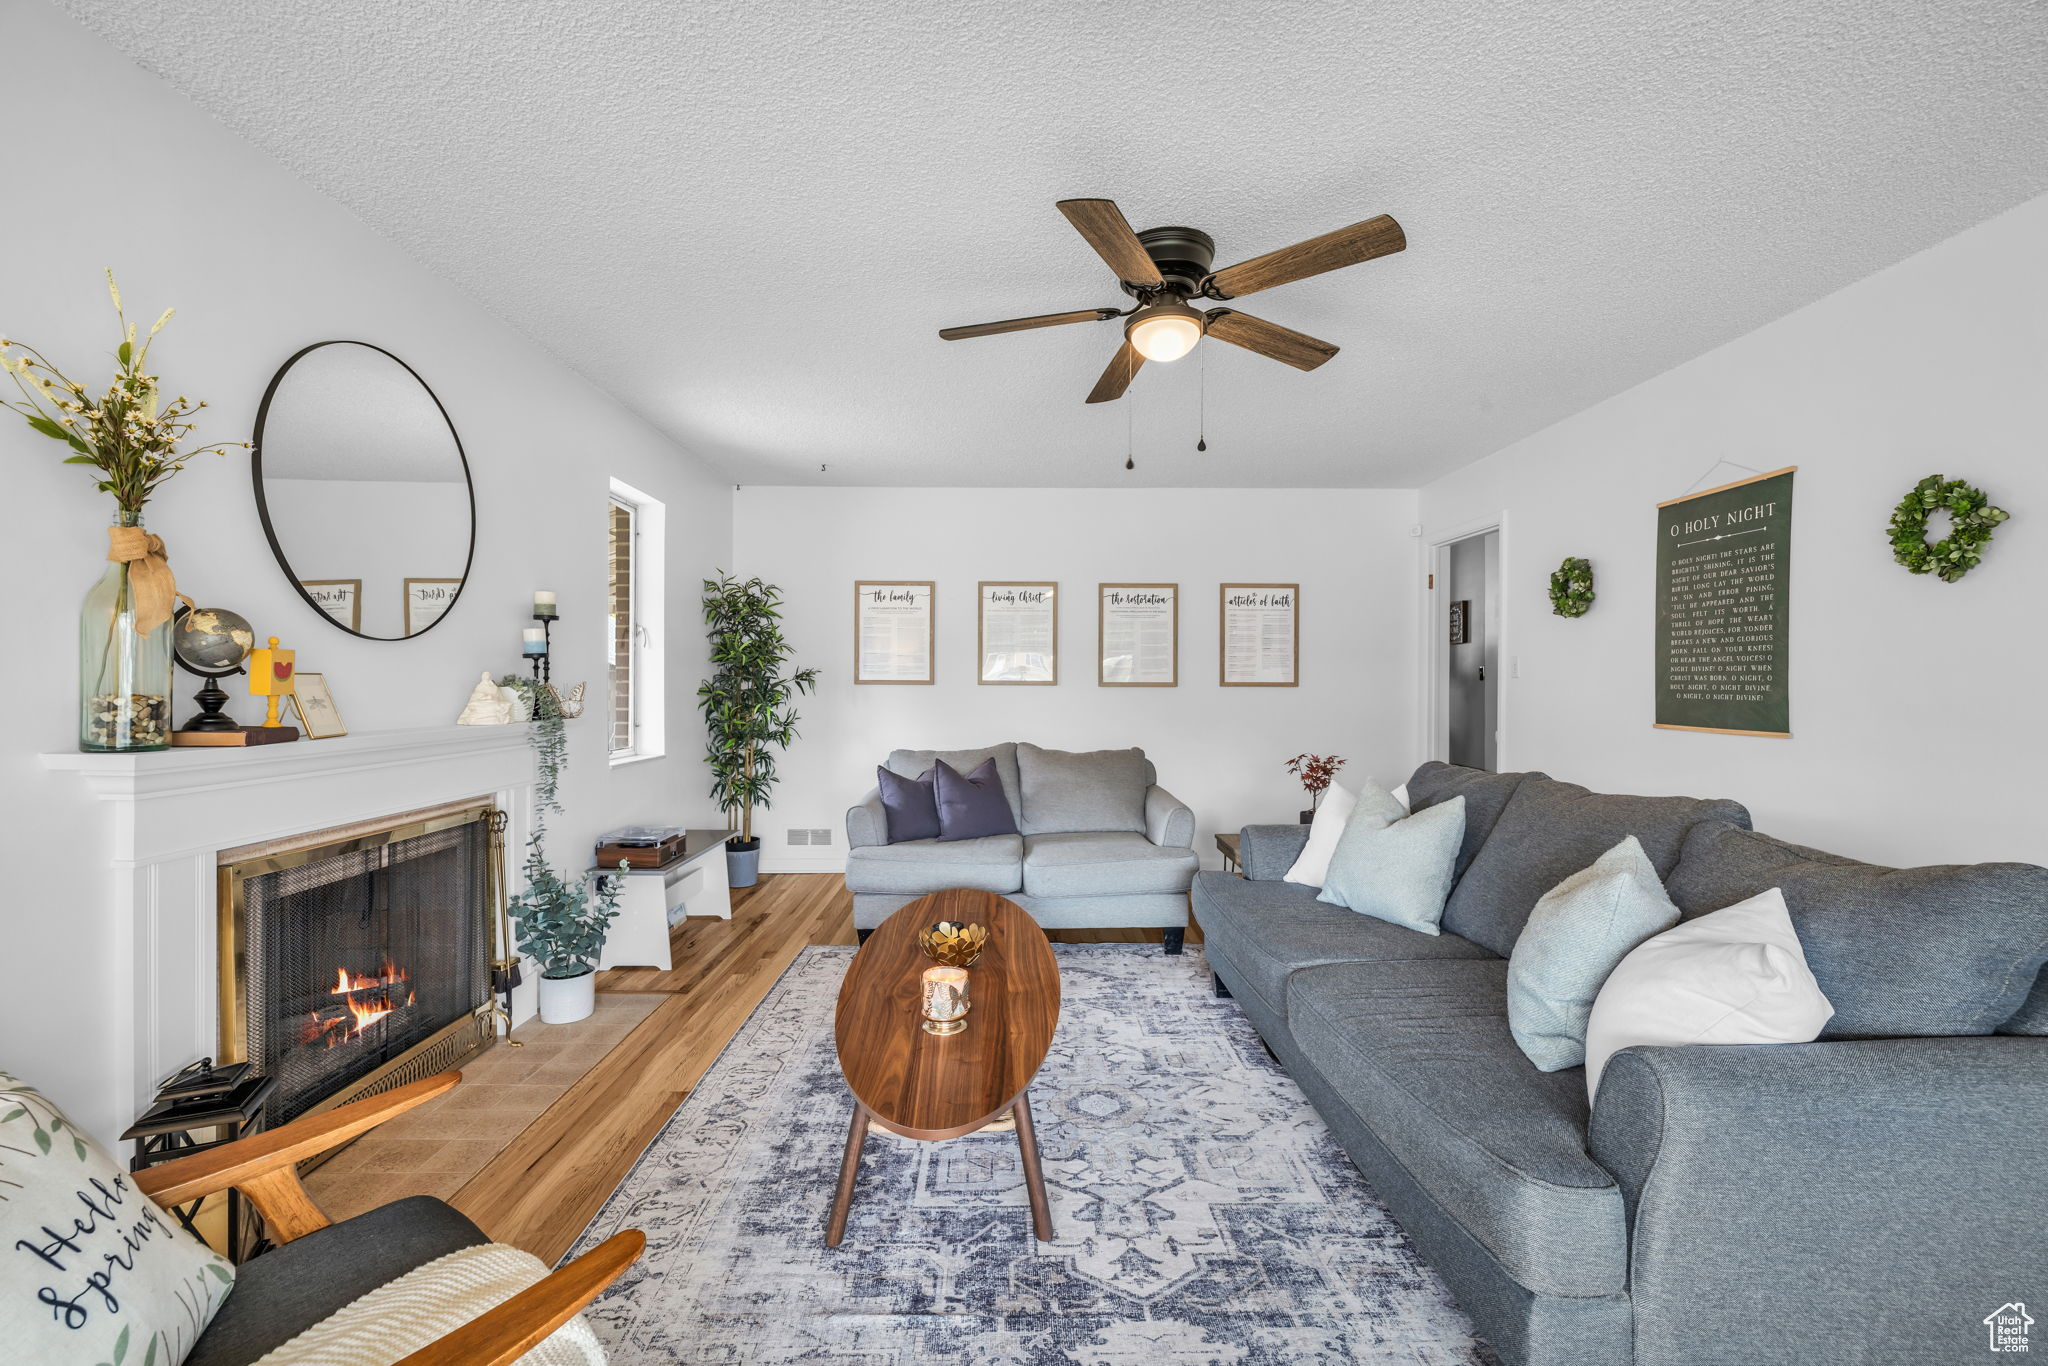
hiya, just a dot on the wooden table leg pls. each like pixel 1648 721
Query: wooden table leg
pixel 1034 1178
pixel 849 1168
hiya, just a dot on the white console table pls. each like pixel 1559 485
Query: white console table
pixel 653 899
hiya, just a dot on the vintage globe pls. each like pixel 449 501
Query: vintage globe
pixel 209 640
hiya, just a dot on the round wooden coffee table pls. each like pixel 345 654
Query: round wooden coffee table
pixel 935 1087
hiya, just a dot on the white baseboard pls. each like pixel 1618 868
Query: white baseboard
pixel 803 863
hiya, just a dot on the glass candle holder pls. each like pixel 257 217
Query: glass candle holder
pixel 945 1000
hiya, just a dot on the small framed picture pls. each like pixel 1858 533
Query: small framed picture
pixel 341 599
pixel 1460 611
pixel 316 709
pixel 427 600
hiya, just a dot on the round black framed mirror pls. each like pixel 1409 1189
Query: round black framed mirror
pixel 364 490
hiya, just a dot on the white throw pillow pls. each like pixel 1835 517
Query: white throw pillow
pixel 1312 866
pixel 1736 975
pixel 1400 794
pixel 94 1272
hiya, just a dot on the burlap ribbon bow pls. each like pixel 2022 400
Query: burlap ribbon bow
pixel 156 589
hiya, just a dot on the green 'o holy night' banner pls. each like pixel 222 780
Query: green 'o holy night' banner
pixel 1724 561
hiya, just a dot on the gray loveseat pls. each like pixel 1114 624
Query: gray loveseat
pixel 1100 843
pixel 1866 1198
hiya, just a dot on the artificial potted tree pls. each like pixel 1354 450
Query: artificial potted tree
pixel 747 716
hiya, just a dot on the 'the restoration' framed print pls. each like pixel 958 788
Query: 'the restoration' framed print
pixel 1137 635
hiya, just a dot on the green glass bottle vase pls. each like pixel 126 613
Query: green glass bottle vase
pixel 124 675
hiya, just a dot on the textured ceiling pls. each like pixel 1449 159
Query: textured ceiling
pixel 748 219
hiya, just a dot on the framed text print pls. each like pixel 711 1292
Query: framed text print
pixel 894 631
pixel 1261 635
pixel 1018 635
pixel 1724 578
pixel 1137 635
pixel 341 599
pixel 426 600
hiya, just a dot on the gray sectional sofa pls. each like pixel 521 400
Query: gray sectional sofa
pixel 1866 1198
pixel 1100 843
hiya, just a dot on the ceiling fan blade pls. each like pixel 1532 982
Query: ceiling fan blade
pixel 1109 232
pixel 1026 324
pixel 1283 344
pixel 1117 378
pixel 1380 236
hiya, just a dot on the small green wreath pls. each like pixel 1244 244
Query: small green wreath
pixel 1972 519
pixel 1571 588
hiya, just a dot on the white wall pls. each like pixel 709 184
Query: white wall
pixel 1218 749
pixel 258 266
pixel 1919 733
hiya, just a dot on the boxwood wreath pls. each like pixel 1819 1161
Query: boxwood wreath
pixel 1972 519
pixel 1571 587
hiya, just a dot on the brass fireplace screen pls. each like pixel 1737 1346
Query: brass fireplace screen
pixel 356 965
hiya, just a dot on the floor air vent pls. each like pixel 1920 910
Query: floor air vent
pixel 810 837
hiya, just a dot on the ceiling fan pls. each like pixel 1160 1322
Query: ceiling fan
pixel 1163 268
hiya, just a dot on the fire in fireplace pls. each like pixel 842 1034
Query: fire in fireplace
pixel 358 964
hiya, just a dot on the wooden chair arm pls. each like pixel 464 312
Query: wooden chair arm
pixel 262 1165
pixel 523 1322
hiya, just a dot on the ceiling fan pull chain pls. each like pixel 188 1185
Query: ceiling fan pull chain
pixel 1130 406
pixel 1202 403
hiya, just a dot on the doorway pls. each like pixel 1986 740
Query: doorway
pixel 1470 626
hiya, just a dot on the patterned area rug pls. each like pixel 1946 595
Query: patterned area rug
pixel 1203 1215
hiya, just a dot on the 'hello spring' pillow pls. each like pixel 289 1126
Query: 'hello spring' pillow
pixel 92 1273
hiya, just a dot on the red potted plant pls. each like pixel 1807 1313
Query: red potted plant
pixel 1315 772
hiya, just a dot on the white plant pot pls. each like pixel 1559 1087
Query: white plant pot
pixel 565 1000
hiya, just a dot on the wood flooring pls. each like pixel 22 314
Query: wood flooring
pixel 542 1190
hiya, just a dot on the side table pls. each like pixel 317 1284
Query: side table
pixel 653 899
pixel 1228 844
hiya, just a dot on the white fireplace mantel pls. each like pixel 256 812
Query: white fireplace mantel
pixel 170 813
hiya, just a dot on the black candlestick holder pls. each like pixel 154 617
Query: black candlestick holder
pixel 543 664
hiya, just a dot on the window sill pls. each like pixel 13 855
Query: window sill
pixel 632 757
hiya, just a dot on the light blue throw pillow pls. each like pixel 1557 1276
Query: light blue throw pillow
pixel 1578 933
pixel 1399 872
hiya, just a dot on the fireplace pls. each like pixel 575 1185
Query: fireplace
pixel 359 962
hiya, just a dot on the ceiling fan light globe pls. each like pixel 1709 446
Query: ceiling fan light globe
pixel 1164 332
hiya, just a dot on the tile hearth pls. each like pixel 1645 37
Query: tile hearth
pixel 436 1149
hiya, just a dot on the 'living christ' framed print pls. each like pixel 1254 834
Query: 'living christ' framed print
pixel 427 600
pixel 894 631
pixel 1017 634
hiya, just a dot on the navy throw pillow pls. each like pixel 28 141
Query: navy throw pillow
pixel 909 805
pixel 973 806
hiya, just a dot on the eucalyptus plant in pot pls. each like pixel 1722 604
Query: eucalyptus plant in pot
pixel 745 702
pixel 562 927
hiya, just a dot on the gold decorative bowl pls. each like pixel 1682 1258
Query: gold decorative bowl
pixel 953 944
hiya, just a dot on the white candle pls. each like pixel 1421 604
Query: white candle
pixel 543 603
pixel 536 641
pixel 945 1000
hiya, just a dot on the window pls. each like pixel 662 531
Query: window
pixel 633 695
